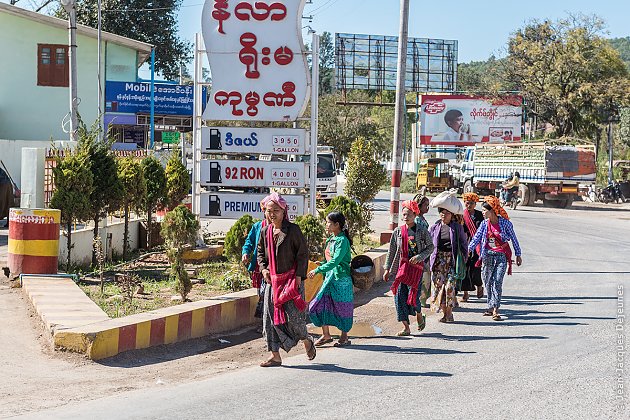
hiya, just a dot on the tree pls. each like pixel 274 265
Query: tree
pixel 622 45
pixel 365 175
pixel 326 64
pixel 134 185
pixel 107 193
pixel 480 76
pixel 179 229
pixel 339 125
pixel 142 20
pixel 177 180
pixel 155 179
pixel 73 180
pixel 570 75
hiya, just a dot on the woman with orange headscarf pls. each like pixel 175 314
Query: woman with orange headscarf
pixel 493 236
pixel 409 247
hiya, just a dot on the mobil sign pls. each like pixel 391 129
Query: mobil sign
pixel 234 205
pixel 252 173
pixel 271 141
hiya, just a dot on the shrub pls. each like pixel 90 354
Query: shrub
pixel 235 280
pixel 179 229
pixel 365 174
pixel 314 231
pixel 235 238
pixel 155 178
pixel 355 216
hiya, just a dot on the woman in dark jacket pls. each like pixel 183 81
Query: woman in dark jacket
pixel 283 260
pixel 472 220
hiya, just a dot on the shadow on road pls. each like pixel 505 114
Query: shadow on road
pixel 481 337
pixel 330 367
pixel 380 348
pixel 165 353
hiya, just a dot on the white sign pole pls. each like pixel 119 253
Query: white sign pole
pixel 314 122
pixel 197 107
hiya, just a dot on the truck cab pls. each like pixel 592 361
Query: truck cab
pixel 326 173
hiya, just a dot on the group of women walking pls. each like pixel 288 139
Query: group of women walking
pixel 464 250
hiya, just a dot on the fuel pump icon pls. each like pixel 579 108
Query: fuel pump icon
pixel 214 206
pixel 215 173
pixel 215 140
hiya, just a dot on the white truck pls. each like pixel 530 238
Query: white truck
pixel 557 175
pixel 326 173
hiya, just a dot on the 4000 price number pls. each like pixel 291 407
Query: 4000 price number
pixel 285 178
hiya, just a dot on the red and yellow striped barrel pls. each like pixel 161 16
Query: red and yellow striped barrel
pixel 33 241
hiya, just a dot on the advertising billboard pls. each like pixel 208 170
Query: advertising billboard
pixel 464 120
pixel 135 98
pixel 370 62
pixel 252 173
pixel 222 205
pixel 257 60
pixel 272 141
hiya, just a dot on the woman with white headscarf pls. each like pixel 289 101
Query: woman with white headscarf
pixel 450 243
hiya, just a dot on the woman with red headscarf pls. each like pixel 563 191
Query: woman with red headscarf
pixel 410 245
pixel 283 260
pixel 493 236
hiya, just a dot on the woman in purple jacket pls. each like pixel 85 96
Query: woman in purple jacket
pixel 449 240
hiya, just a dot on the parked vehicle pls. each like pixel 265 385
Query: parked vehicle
pixel 326 186
pixel 434 175
pixel 612 193
pixel 555 174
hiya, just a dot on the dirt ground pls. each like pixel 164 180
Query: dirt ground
pixel 34 377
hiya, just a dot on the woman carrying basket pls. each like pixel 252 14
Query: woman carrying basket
pixel 409 247
pixel 334 303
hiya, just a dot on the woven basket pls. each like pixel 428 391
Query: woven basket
pixel 363 281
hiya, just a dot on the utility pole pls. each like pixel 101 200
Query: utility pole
pixel 314 122
pixel 399 121
pixel 69 6
pixel 98 73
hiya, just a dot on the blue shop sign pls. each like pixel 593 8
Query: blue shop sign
pixel 135 98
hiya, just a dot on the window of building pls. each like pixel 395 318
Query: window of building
pixel 52 65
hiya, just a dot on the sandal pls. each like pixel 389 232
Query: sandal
pixel 271 363
pixel 444 320
pixel 323 341
pixel 497 317
pixel 480 293
pixel 312 352
pixel 423 324
pixel 488 313
pixel 403 333
pixel 450 319
pixel 342 343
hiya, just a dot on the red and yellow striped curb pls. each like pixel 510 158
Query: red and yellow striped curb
pixel 163 326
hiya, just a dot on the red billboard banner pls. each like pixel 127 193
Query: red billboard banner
pixel 468 120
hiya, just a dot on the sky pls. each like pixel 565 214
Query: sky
pixel 481 27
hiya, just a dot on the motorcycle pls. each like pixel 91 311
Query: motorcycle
pixel 513 197
pixel 611 194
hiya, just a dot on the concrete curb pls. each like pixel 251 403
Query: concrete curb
pixel 163 326
pixel 78 324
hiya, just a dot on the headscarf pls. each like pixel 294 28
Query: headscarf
pixel 496 206
pixel 411 205
pixel 276 198
pixel 470 196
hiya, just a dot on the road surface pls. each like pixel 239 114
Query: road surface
pixel 555 356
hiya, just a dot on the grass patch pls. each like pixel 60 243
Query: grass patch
pixel 220 278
